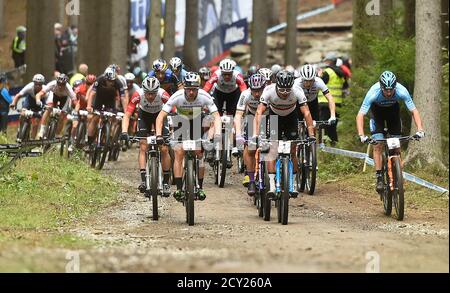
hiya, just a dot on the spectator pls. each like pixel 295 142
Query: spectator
pixel 83 70
pixel 5 101
pixel 334 78
pixel 19 46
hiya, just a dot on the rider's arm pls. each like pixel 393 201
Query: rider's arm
pixel 257 120
pixel 417 120
pixel 237 122
pixel 129 111
pixel 160 122
pixel 15 99
pixel 331 104
pixel 241 83
pixel 304 109
pixel 91 94
pixel 360 124
pixel 39 96
pixel 365 107
pixel 210 83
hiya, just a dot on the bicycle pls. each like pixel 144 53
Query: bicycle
pixel 52 126
pixel 223 157
pixel 190 176
pixel 307 158
pixel 23 134
pixel 116 145
pixel 153 172
pixel 100 149
pixel 80 139
pixel 392 175
pixel 262 201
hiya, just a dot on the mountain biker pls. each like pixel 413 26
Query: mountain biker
pixel 286 102
pixel 167 79
pixel 268 74
pixel 189 103
pixel 205 75
pixel 29 92
pixel 177 67
pixel 248 104
pixel 382 100
pixel 149 102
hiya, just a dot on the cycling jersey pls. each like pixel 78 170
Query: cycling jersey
pixel 237 81
pixel 190 109
pixel 375 97
pixel 170 82
pixel 149 107
pixel 81 92
pixel 279 106
pixel 65 91
pixel 105 95
pixel 181 75
pixel 133 89
pixel 28 90
pixel 312 92
pixel 248 102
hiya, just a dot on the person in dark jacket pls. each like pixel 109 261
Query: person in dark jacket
pixel 19 46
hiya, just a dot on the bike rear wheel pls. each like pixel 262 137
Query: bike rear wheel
pixel 311 168
pixel 267 202
pixel 398 193
pixel 190 191
pixel 154 186
pixel 64 150
pixel 24 132
pixel 284 201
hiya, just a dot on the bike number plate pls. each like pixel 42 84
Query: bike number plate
pixel 225 119
pixel 393 143
pixel 151 140
pixel 284 147
pixel 189 145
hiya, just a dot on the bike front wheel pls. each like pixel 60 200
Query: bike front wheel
pixel 398 193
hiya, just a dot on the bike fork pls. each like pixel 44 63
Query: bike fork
pixel 278 177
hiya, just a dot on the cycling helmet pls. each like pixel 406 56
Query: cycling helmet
pixel 62 79
pixel 388 81
pixel 308 72
pixel 77 83
pixel 267 73
pixel 285 79
pixel 192 79
pixel 275 68
pixel 159 65
pixel 205 73
pixel 110 74
pixel 90 79
pixel 150 85
pixel 253 69
pixel 39 78
pixel 130 77
pixel 21 29
pixel 257 81
pixel 227 65
pixel 175 63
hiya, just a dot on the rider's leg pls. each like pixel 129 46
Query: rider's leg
pixel 142 164
pixel 92 125
pixel 250 161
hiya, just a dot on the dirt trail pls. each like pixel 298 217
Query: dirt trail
pixel 333 231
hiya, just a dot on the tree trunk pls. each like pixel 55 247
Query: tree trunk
pixel 428 83
pixel 360 19
pixel 40 53
pixel 290 53
pixel 445 24
pixel 409 20
pixel 103 33
pixel 62 12
pixel 191 36
pixel 2 5
pixel 154 31
pixel 274 13
pixel 259 32
pixel 169 29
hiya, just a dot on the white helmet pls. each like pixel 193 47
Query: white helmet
pixel 150 85
pixel 39 78
pixel 266 72
pixel 308 72
pixel 275 69
pixel 175 63
pixel 130 76
pixel 227 65
pixel 110 74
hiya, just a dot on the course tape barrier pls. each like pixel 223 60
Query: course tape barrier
pixel 370 161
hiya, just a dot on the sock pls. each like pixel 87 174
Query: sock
pixel 200 183
pixel 179 183
pixel 251 175
pixel 166 177
pixel 272 182
pixel 142 171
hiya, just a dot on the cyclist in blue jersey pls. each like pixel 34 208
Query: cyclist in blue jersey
pixel 167 79
pixel 177 67
pixel 382 101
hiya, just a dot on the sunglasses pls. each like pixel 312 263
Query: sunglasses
pixel 284 91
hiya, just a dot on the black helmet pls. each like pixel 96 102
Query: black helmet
pixel 285 79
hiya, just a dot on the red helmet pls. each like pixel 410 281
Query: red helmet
pixel 90 79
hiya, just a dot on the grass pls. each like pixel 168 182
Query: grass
pixel 42 195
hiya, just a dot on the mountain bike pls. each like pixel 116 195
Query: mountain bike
pixel 80 138
pixel 116 145
pixel 223 161
pixel 263 202
pixel 23 134
pixel 392 170
pixel 100 149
